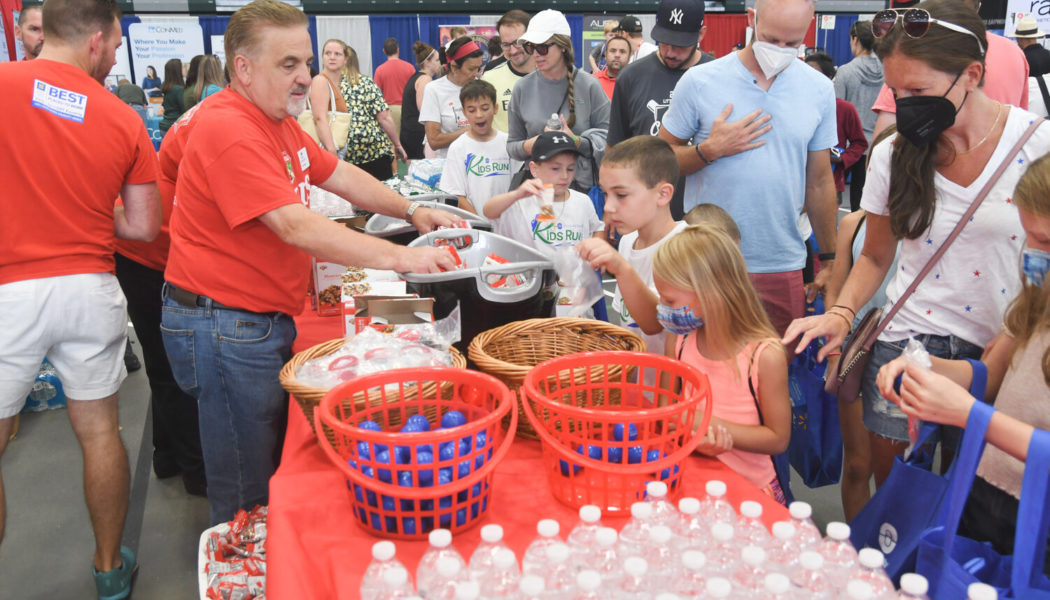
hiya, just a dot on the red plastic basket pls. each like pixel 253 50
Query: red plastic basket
pixel 393 499
pixel 575 402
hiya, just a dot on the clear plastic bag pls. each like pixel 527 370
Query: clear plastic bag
pixel 915 354
pixel 579 283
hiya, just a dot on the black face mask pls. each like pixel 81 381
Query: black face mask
pixel 922 119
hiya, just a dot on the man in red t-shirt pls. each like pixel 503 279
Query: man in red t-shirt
pixel 391 77
pixel 70 147
pixel 241 241
pixel 617 53
pixel 30 30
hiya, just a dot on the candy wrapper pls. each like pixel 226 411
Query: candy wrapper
pixel 235 565
pixel 499 280
pixel 915 354
pixel 462 242
pixel 580 286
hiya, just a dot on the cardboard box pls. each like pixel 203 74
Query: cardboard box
pixel 350 312
pixel 381 313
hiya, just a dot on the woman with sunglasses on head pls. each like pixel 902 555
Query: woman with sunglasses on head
pixel 950 140
pixel 555 87
pixel 441 112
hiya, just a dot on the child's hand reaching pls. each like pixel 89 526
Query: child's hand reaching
pixel 600 255
pixel 529 187
pixel 716 441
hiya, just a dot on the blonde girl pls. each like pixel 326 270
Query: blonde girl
pixel 715 322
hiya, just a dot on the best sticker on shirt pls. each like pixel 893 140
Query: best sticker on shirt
pixel 59 102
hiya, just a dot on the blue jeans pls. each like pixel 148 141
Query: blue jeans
pixel 229 361
pixel 885 418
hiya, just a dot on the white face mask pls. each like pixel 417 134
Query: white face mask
pixel 772 58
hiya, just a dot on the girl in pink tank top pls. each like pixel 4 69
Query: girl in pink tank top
pixel 708 304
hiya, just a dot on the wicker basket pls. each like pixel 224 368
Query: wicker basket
pixel 509 351
pixel 310 397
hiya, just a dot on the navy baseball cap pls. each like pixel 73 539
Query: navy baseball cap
pixel 678 22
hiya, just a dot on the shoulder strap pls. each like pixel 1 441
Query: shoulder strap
pixel 751 381
pixel 853 240
pixel 954 234
pixel 1042 90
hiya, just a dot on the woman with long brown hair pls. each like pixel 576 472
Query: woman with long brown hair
pixel 370 119
pixel 441 112
pixel 412 132
pixel 325 94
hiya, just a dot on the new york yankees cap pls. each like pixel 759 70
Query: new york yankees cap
pixel 550 143
pixel 678 22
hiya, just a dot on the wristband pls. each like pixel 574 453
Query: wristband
pixel 849 324
pixel 700 153
pixel 576 140
pixel 823 256
pixel 851 311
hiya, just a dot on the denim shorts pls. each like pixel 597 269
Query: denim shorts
pixel 885 418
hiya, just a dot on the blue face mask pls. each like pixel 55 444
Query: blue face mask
pixel 1035 263
pixel 679 321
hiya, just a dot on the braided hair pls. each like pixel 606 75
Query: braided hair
pixel 564 42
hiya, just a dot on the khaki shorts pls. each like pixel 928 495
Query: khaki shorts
pixel 395 114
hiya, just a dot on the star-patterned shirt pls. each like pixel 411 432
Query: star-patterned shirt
pixel 967 292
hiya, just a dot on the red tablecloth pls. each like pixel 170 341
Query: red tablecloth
pixel 315 548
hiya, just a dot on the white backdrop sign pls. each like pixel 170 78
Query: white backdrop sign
pixel 1017 9
pixel 153 44
pixel 218 47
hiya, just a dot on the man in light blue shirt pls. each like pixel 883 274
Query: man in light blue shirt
pixel 752 131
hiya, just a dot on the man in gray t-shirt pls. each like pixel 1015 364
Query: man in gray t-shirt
pixel 644 88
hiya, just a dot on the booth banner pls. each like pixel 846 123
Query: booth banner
pixel 153 44
pixel 1018 9
pixel 218 47
pixel 122 68
pixel 479 33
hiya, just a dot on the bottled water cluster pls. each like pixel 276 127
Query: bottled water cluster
pixel 699 549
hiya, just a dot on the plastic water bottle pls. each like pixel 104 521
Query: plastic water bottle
pixel 553 123
pixel 692 532
pixel 719 587
pixel 869 568
pixel 859 590
pixel 811 577
pixel 807 534
pixel 502 580
pixel 530 588
pixel 395 585
pixel 587 584
pixel 724 552
pixel 839 554
pixel 634 584
pixel 690 582
pixel 491 543
pixel 783 550
pixel 661 555
pixel 634 537
pixel 468 590
pixel 750 574
pixel 749 528
pixel 383 560
pixel 777 587
pixel 440 547
pixel 605 559
pixel 560 578
pixel 664 513
pixel 914 587
pixel 449 575
pixel 581 539
pixel 534 561
pixel 714 507
pixel 981 591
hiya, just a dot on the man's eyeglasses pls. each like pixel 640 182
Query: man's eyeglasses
pixel 541 49
pixel 916 23
pixel 508 45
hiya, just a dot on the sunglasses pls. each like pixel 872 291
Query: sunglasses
pixel 541 49
pixel 916 23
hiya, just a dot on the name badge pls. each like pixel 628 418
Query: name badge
pixel 304 159
pixel 59 102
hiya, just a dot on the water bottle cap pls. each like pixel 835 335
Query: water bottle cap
pixel 722 532
pixel 777 583
pixel 531 585
pixel 554 116
pixel 660 534
pixel 719 587
pixel 859 590
pixel 914 584
pixel 783 530
pixel 504 559
pixel 635 566
pixel 981 591
pixel 383 550
pixel 558 553
pixel 548 528
pixel 715 488
pixel 448 567
pixel 589 580
pixel 838 531
pixel 468 590
pixel 871 558
pixel 641 510
pixel 606 537
pixel 395 577
pixel 694 560
pixel 689 506
pixel 811 561
pixel 753 555
pixel 590 513
pixel 800 510
pixel 492 533
pixel 656 489
pixel 440 538
pixel 751 509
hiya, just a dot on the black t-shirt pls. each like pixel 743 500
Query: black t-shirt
pixel 1038 60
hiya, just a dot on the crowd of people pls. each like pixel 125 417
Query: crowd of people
pixel 709 187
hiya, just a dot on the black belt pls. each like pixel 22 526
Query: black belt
pixel 191 300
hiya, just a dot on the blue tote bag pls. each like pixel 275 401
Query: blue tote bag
pixel 1033 517
pixel 815 450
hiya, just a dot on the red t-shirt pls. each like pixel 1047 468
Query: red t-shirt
pixel 391 77
pixel 68 146
pixel 608 83
pixel 239 164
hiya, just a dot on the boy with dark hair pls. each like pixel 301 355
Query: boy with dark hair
pixel 638 176
pixel 478 166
